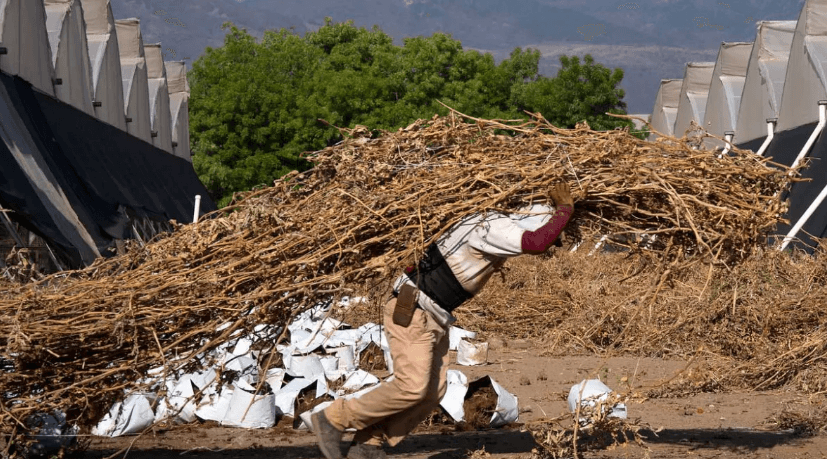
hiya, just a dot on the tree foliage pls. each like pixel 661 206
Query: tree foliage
pixel 579 92
pixel 255 105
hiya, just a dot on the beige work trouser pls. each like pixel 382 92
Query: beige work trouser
pixel 394 408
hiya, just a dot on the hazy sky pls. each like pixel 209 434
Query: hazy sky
pixel 649 39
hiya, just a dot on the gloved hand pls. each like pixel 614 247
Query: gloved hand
pixel 561 194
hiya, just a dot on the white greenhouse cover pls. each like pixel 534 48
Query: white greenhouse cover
pixel 805 83
pixel 638 124
pixel 134 74
pixel 179 93
pixel 159 114
pixel 726 86
pixel 107 83
pixel 666 107
pixel 70 54
pixel 764 82
pixel 694 93
pixel 23 34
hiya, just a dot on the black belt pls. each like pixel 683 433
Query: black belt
pixel 433 277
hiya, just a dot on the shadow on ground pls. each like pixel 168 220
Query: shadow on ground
pixel 452 445
pixel 741 439
pixel 431 445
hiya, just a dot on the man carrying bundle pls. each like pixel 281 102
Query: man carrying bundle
pixel 418 317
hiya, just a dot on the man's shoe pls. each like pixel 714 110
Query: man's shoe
pixel 327 435
pixel 363 451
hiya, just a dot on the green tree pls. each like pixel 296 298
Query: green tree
pixel 579 92
pixel 244 98
pixel 255 105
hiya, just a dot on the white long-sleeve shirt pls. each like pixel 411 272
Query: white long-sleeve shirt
pixel 477 247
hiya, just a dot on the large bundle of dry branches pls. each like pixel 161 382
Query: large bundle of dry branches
pixel 77 340
pixel 758 325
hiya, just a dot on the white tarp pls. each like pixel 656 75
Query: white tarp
pixel 507 410
pixel 159 114
pixel 134 74
pixel 70 54
pixel 225 392
pixel 456 334
pixel 214 407
pixel 131 416
pixel 285 399
pixel 469 353
pixel 764 82
pixel 666 107
pixel 359 379
pixel 693 96
pixel 726 86
pixel 590 393
pixel 249 410
pixel 105 61
pixel 804 84
pixel 179 94
pixel 454 399
pixel 23 34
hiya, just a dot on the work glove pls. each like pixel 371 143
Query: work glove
pixel 561 194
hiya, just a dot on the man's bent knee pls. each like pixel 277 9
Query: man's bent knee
pixel 413 393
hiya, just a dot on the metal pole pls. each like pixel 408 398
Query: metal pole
pixel 8 224
pixel 822 120
pixel 197 209
pixel 770 134
pixel 137 235
pixel 728 135
pixel 801 221
pixel 52 256
pixel 10 228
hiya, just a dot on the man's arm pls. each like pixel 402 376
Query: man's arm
pixel 539 240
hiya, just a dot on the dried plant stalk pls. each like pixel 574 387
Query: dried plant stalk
pixel 77 340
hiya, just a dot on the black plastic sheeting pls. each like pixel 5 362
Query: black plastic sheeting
pixel 787 146
pixel 754 144
pixel 104 172
pixel 783 149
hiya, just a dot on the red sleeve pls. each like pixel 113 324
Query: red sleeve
pixel 539 240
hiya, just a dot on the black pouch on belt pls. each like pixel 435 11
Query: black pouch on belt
pixel 405 305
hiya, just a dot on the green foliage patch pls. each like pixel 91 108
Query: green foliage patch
pixel 255 105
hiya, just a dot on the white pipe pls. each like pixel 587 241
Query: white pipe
pixel 728 139
pixel 801 221
pixel 822 120
pixel 599 243
pixel 197 208
pixel 770 134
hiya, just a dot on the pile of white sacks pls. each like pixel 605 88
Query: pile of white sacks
pixel 321 350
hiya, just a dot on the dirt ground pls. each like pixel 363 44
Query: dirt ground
pixel 705 425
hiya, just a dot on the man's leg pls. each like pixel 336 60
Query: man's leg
pixel 396 427
pixel 413 351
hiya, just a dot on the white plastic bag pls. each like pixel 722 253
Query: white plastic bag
pixel 590 393
pixel 131 416
pixel 471 354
